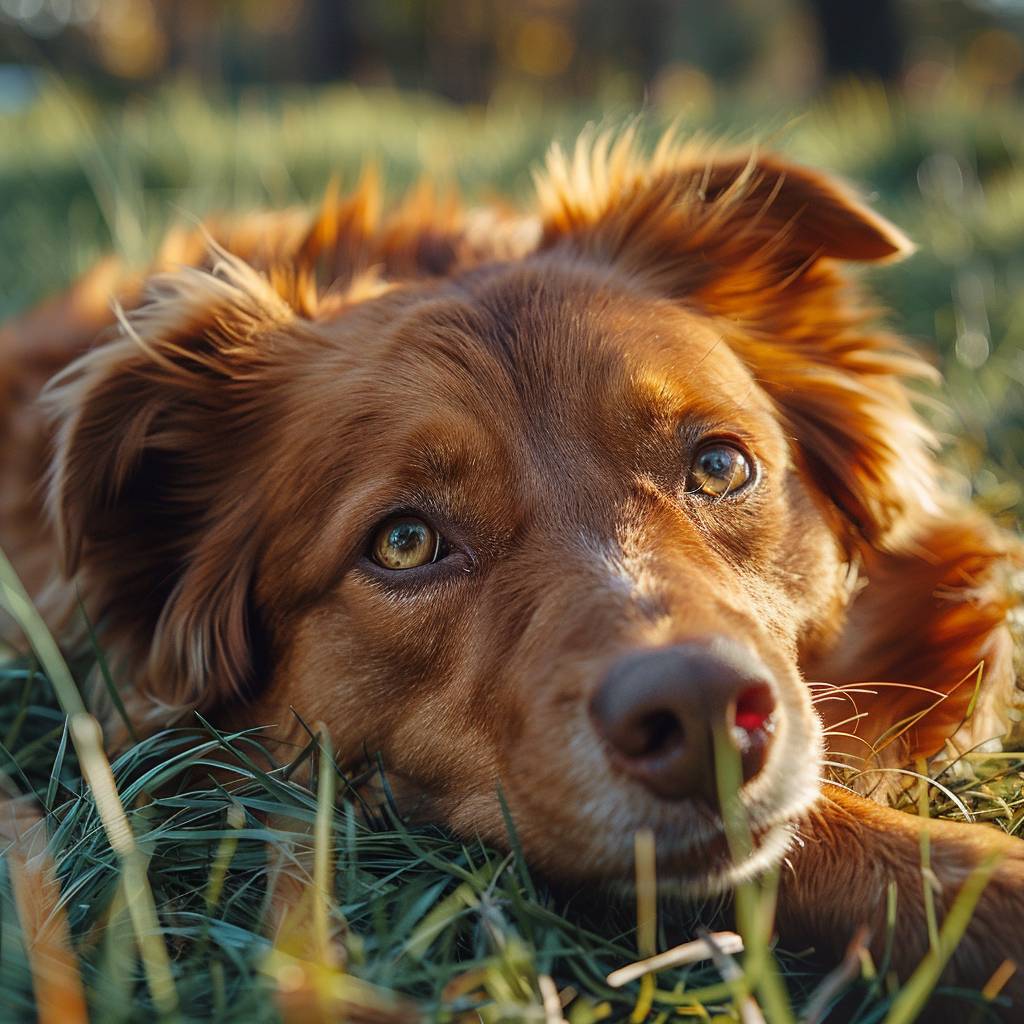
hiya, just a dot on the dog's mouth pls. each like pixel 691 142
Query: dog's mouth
pixel 719 861
pixel 696 856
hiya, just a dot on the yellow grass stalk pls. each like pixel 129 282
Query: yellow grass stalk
pixel 646 916
pixel 88 741
pixel 687 953
pixel 86 735
pixel 323 859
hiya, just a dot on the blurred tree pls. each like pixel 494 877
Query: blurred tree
pixel 470 51
pixel 861 37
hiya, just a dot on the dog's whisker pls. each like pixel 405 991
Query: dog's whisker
pixel 833 730
pixel 853 736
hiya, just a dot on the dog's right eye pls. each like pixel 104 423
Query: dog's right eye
pixel 720 469
pixel 406 543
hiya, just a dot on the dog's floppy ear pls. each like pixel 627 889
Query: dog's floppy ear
pixel 754 242
pixel 687 215
pixel 928 654
pixel 154 476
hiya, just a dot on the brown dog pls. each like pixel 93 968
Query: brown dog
pixel 544 501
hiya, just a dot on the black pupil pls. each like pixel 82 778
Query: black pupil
pixel 717 462
pixel 407 537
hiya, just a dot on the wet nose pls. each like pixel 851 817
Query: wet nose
pixel 658 710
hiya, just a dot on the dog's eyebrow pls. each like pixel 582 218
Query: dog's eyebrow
pixel 653 391
pixel 448 451
pixel 445 466
pixel 669 403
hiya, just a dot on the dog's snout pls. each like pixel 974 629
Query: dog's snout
pixel 659 709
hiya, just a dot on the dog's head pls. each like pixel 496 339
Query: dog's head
pixel 544 512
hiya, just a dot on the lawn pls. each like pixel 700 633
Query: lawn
pixel 392 921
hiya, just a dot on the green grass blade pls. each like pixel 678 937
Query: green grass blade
pixel 105 674
pixel 15 599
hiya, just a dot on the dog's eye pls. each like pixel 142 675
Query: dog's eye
pixel 720 469
pixel 406 543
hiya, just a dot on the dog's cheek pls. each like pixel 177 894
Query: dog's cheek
pixel 812 569
pixel 389 675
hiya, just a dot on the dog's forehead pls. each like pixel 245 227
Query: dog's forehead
pixel 566 342
pixel 528 378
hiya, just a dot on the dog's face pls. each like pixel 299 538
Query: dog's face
pixel 502 497
pixel 549 524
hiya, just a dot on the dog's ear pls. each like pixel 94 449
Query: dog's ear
pixel 927 655
pixel 155 472
pixel 754 242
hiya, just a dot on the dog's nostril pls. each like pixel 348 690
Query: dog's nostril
pixel 659 710
pixel 754 708
pixel 663 733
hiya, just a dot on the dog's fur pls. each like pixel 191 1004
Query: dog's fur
pixel 535 385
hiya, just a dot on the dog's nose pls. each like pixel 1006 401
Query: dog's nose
pixel 658 710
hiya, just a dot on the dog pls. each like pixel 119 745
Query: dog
pixel 552 502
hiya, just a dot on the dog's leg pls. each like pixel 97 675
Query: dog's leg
pixel 851 850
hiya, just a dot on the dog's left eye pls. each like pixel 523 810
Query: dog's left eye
pixel 720 469
pixel 406 542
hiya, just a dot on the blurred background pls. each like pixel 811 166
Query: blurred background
pixel 474 51
pixel 117 116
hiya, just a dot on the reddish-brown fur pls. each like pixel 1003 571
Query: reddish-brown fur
pixel 535 385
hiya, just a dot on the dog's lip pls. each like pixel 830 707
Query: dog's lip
pixel 707 870
pixel 690 859
pixel 708 866
pixel 709 852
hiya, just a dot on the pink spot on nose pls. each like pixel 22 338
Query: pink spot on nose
pixel 754 707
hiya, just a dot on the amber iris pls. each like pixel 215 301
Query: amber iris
pixel 405 543
pixel 720 469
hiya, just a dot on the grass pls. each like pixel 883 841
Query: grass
pixel 388 921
